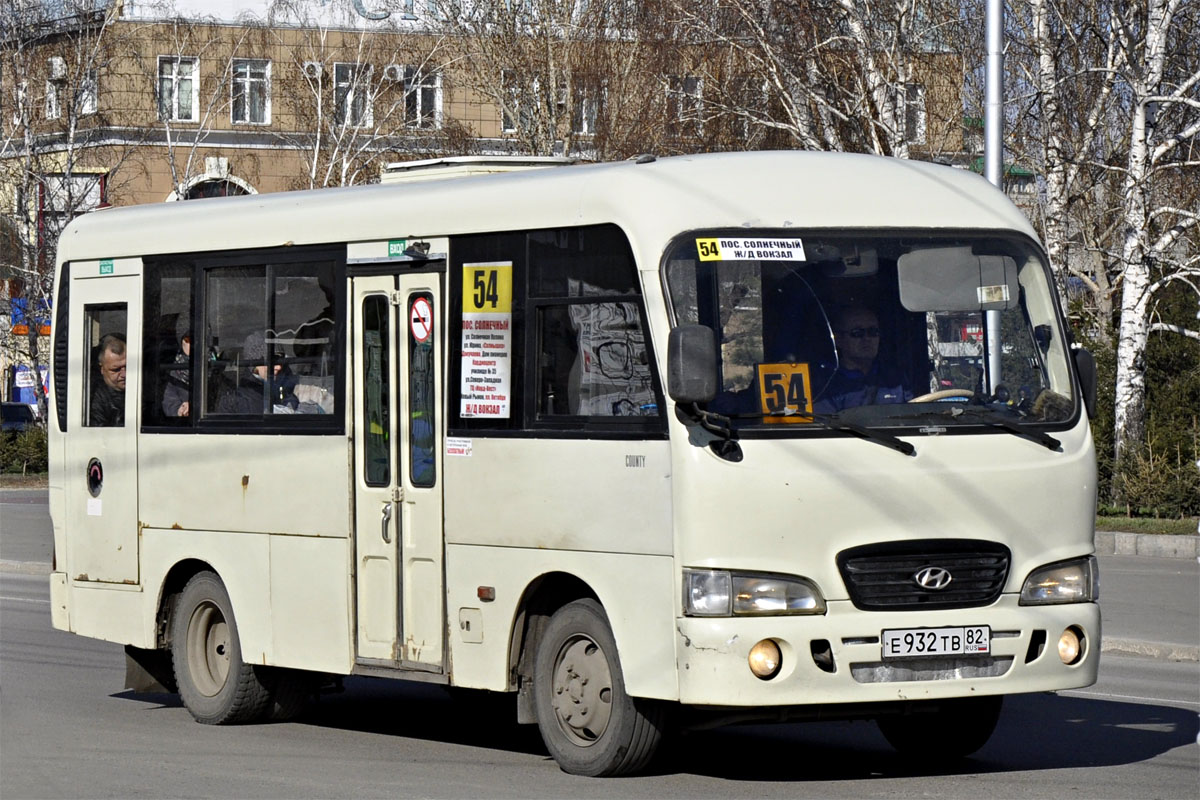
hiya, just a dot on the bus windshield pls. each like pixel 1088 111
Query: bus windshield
pixel 879 329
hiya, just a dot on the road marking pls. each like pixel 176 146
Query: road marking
pixel 24 600
pixel 1110 696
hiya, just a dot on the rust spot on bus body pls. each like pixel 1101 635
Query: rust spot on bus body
pixel 175 526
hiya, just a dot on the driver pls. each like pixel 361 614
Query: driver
pixel 860 380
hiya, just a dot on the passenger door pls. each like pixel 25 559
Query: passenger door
pixel 398 497
pixel 100 475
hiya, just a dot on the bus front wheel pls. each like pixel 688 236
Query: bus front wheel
pixel 216 686
pixel 945 731
pixel 587 721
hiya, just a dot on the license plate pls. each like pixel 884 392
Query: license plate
pixel 971 640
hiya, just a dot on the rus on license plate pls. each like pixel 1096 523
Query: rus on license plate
pixel 909 642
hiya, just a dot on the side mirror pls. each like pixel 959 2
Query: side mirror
pixel 1085 368
pixel 692 364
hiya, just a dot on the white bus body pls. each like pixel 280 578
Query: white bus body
pixel 580 433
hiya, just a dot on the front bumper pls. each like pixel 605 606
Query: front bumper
pixel 712 656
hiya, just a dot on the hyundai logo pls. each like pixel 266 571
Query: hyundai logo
pixel 933 578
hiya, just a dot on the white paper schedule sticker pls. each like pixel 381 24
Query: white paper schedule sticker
pixel 486 340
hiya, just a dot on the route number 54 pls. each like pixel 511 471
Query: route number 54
pixel 784 391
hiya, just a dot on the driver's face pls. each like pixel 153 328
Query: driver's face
pixel 858 338
pixel 112 369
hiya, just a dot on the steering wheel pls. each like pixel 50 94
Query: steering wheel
pixel 943 394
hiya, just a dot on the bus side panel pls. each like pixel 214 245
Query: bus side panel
pixel 245 483
pixel 241 560
pixel 609 496
pixel 113 612
pixel 310 603
pixel 637 593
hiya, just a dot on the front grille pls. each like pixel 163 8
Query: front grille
pixel 882 577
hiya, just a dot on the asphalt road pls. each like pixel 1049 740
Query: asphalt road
pixel 70 731
pixel 67 729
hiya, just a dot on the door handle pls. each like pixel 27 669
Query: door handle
pixel 386 523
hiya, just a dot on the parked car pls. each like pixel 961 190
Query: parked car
pixel 16 417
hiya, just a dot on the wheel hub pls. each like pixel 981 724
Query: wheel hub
pixel 582 690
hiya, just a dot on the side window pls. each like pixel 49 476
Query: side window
pixel 580 357
pixel 376 381
pixel 269 339
pixel 422 419
pixel 592 360
pixel 104 329
pixel 168 363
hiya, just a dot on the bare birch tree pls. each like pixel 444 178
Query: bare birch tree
pixel 834 74
pixel 1112 121
pixel 57 157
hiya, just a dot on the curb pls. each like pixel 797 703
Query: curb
pixel 24 567
pixel 1158 650
pixel 1155 545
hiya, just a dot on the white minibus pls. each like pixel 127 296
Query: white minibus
pixel 654 444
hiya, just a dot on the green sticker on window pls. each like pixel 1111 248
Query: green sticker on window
pixel 106 267
pixel 396 247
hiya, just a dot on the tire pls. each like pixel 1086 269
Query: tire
pixel 948 731
pixel 216 686
pixel 587 721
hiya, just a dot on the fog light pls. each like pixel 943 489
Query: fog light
pixel 765 659
pixel 1070 646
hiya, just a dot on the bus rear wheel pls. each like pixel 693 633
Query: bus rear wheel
pixel 216 686
pixel 949 730
pixel 587 721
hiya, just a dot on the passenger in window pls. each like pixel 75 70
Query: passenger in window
pixel 860 379
pixel 254 392
pixel 177 396
pixel 107 403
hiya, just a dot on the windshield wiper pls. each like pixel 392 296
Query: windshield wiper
pixel 996 419
pixel 830 422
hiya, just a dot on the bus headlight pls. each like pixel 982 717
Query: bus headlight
pixel 1076 581
pixel 719 593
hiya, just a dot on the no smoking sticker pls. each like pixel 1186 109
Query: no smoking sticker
pixel 421 320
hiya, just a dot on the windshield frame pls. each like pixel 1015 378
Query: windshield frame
pixel 920 419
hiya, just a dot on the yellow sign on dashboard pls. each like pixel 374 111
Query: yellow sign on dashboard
pixel 785 393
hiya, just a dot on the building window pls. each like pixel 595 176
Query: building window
pixel 56 86
pixel 87 95
pixel 589 100
pixel 684 93
pixel 55 90
pixel 251 91
pixel 914 113
pixel 511 109
pixel 177 89
pixel 62 199
pixel 422 98
pixel 352 94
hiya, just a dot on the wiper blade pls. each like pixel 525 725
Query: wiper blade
pixel 830 422
pixel 996 419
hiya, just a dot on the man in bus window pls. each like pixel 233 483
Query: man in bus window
pixel 107 405
pixel 860 379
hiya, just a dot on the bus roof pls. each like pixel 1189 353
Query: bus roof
pixel 651 199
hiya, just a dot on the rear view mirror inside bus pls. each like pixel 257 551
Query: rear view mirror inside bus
pixel 955 279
